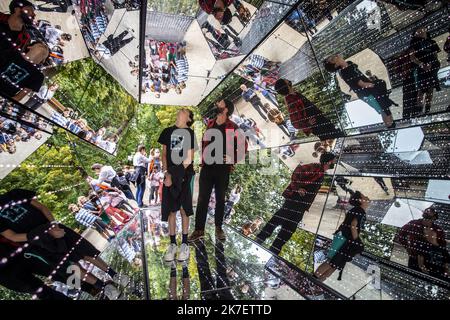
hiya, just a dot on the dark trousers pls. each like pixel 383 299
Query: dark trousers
pixel 257 104
pixel 288 217
pixel 117 43
pixel 154 193
pixel 128 194
pixel 140 190
pixel 217 177
pixel 283 128
pixel 34 102
pixel 220 290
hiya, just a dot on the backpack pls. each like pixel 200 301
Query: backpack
pixel 123 182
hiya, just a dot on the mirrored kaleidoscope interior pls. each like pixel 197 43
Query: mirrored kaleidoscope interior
pixel 85 82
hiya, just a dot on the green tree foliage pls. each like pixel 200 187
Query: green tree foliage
pixel 87 87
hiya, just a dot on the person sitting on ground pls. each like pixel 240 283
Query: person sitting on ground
pixel 90 220
pixel 124 183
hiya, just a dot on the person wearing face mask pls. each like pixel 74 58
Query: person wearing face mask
pixel 223 145
pixel 347 242
pixel 299 196
pixel 304 115
pixel 179 145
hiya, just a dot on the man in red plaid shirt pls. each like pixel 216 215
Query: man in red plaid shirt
pixel 305 115
pixel 223 145
pixel 219 8
pixel 299 195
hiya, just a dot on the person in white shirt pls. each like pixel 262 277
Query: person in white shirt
pixel 106 174
pixel 45 93
pixel 54 36
pixel 140 162
pixel 233 199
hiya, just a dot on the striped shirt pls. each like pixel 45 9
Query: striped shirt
pixel 182 69
pixel 85 217
pixel 257 61
pixel 59 119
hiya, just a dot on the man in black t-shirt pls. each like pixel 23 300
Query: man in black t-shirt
pixel 18 76
pixel 179 145
pixel 24 220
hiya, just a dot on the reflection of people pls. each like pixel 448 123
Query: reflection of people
pixel 140 162
pixel 346 243
pixel 304 115
pixel 233 199
pixel 305 183
pixel 31 222
pixel 217 164
pixel 423 55
pixel 276 116
pixel 45 93
pixel 173 283
pixel 382 184
pixel 249 95
pixel 210 289
pixel 19 74
pixel 59 6
pixel 425 243
pixel 112 45
pixel 374 93
pixel 252 226
pixel 179 145
pixel 219 8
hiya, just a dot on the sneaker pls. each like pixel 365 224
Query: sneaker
pixel 183 254
pixel 220 235
pixel 196 235
pixel 122 279
pixel 111 292
pixel 170 253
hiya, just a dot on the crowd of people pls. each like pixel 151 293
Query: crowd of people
pixel 166 68
pixel 12 133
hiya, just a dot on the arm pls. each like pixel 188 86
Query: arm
pixel 14 237
pixel 189 159
pixel 363 84
pixel 45 211
pixel 354 228
pixel 164 157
